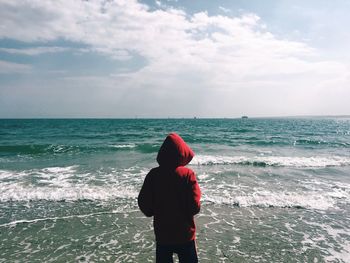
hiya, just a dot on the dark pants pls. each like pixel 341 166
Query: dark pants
pixel 186 252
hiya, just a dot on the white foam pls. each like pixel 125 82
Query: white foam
pixel 121 146
pixel 203 176
pixel 265 198
pixel 59 148
pixel 36 220
pixel 316 161
pixel 45 172
pixel 19 192
pixel 4 174
pixel 67 183
pixel 344 253
pixel 60 170
pixel 338 234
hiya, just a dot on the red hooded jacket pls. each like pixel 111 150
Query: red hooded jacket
pixel 171 193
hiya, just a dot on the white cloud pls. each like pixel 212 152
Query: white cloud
pixel 34 51
pixel 234 61
pixel 225 10
pixel 9 67
pixel 158 3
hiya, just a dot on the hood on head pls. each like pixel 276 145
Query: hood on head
pixel 174 152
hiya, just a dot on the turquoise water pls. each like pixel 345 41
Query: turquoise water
pixel 274 190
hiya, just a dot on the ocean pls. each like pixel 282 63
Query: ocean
pixel 273 190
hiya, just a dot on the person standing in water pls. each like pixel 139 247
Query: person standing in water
pixel 171 194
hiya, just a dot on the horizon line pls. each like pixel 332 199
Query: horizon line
pixel 187 118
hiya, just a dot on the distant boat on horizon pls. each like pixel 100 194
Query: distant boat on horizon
pixel 244 117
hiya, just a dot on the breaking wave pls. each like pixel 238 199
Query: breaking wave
pixel 42 149
pixel 276 199
pixel 69 184
pixel 262 161
pixel 18 192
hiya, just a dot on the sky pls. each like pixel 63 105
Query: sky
pixel 174 58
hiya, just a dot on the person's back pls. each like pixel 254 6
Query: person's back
pixel 171 194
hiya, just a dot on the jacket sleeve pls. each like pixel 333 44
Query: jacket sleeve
pixel 194 195
pixel 145 198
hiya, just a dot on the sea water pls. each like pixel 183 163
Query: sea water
pixel 273 190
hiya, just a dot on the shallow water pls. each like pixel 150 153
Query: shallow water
pixel 274 190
